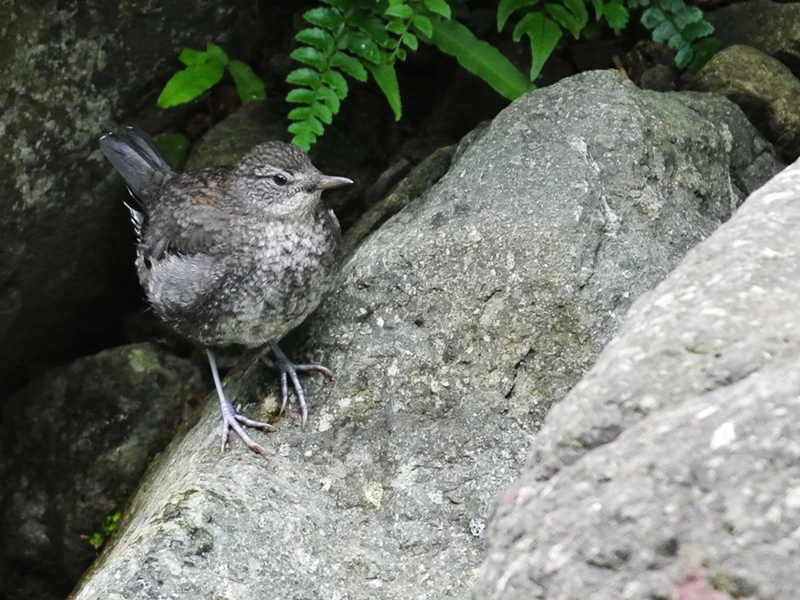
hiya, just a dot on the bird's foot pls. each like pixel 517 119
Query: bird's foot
pixel 233 420
pixel 288 371
pixel 230 418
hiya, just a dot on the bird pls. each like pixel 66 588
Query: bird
pixel 232 255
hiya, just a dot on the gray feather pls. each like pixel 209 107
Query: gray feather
pixel 141 163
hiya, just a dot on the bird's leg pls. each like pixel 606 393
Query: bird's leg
pixel 230 418
pixel 288 372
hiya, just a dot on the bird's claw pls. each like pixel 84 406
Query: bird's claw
pixel 288 371
pixel 230 418
pixel 233 420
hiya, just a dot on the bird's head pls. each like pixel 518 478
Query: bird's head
pixel 279 180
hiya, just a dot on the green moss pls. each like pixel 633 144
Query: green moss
pixel 143 360
pixel 110 524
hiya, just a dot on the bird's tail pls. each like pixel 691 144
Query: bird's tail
pixel 140 162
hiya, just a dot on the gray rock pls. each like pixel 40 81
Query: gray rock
pixel 75 443
pixel 768 26
pixel 763 88
pixel 228 141
pixel 73 70
pixel 671 470
pixel 452 330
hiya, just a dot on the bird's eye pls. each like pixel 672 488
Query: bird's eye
pixel 280 179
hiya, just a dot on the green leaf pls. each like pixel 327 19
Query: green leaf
pixel 310 56
pixel 653 17
pixel 664 32
pixel 301 113
pixel 322 112
pixel 190 56
pixel 578 8
pixel 305 77
pixel 304 134
pixel 330 98
pixel 480 58
pixel 616 15
pixel 300 126
pixel 400 53
pixel 216 54
pixel 401 11
pixel 523 24
pixel 704 50
pixel 544 34
pixel 371 25
pixel 248 84
pixel 348 64
pixel 212 54
pixel 301 96
pixel 386 78
pixel 362 46
pixel 423 26
pixel 189 83
pixel 684 56
pixel 338 83
pixel 564 18
pixel 697 30
pixel 397 27
pixel 677 42
pixel 672 6
pixel 687 15
pixel 315 125
pixel 410 40
pixel 507 7
pixel 329 18
pixel 439 7
pixel 319 38
pixel 304 142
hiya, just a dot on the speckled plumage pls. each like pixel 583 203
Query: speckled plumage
pixel 230 255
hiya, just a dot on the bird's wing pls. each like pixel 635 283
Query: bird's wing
pixel 187 217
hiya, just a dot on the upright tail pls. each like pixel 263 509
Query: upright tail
pixel 140 162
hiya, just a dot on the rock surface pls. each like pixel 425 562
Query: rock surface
pixel 75 443
pixel 763 88
pixel 451 330
pixel 768 26
pixel 672 470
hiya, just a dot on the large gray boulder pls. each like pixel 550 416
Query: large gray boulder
pixel 452 330
pixel 672 470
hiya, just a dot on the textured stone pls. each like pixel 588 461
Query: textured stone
pixel 451 330
pixel 763 88
pixel 672 470
pixel 768 26
pixel 75 443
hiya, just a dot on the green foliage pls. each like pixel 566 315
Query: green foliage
pixel 358 38
pixel 110 524
pixel 203 71
pixel 481 59
pixel 680 27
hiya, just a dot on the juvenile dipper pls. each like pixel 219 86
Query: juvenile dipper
pixel 231 255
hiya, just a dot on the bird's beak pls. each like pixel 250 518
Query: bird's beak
pixel 328 182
